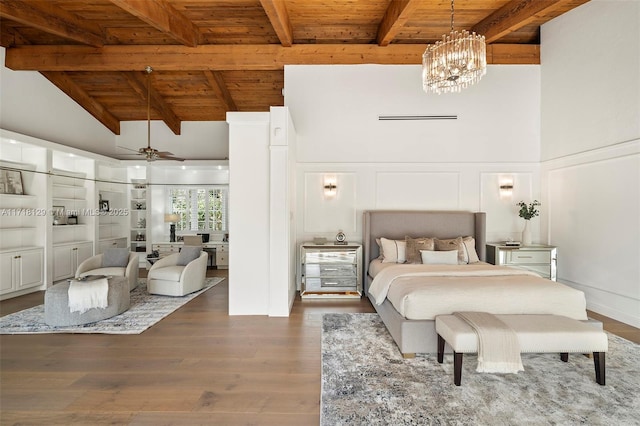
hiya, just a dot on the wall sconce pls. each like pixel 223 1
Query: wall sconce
pixel 172 219
pixel 506 187
pixel 330 187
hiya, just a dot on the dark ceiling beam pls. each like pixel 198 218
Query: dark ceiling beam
pixel 138 82
pixel 64 82
pixel 257 57
pixel 163 17
pixel 277 13
pixel 51 19
pixel 396 16
pixel 513 16
pixel 220 87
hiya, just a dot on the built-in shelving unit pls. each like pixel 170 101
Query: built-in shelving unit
pixel 22 218
pixel 112 207
pixel 139 217
pixel 74 215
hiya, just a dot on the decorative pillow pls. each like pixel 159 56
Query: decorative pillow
pixel 394 251
pixel 188 254
pixel 414 245
pixel 470 247
pixel 453 244
pixel 430 257
pixel 115 257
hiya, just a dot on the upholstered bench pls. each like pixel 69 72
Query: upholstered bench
pixel 536 334
pixel 56 304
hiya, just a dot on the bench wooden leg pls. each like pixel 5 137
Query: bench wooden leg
pixel 457 368
pixel 598 361
pixel 564 356
pixel 440 349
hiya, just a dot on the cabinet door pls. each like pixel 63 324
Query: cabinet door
pixel 82 253
pixel 222 255
pixel 30 269
pixel 6 272
pixel 62 264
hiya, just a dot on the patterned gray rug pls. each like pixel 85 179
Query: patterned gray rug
pixel 145 311
pixel 365 381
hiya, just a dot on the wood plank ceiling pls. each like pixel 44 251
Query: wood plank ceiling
pixel 214 56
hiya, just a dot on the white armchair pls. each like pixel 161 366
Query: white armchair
pixel 93 266
pixel 167 277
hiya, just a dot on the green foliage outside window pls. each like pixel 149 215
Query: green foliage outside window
pixel 200 209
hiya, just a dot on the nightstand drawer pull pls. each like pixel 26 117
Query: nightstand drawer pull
pixel 314 284
pixel 516 256
pixel 324 270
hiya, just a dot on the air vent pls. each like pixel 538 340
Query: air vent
pixel 417 117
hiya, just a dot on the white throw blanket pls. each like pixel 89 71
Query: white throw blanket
pixel 498 345
pixel 85 295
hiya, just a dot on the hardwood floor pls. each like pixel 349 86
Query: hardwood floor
pixel 197 366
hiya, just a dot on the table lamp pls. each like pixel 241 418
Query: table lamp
pixel 172 219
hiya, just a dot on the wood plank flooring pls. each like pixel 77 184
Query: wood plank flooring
pixel 197 366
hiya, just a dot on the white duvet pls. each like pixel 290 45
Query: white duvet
pixel 420 291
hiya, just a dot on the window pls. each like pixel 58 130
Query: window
pixel 202 209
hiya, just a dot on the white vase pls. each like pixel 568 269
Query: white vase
pixel 526 234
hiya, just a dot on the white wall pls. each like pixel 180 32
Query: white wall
pixel 591 151
pixel 33 106
pixel 249 243
pixel 439 165
pixel 261 164
pixel 198 140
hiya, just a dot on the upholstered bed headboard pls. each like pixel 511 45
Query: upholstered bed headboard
pixel 396 224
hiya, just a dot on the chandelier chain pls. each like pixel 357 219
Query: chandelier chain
pixel 452 15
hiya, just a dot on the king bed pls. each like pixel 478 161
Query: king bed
pixel 409 295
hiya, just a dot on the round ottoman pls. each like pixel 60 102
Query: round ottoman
pixel 56 304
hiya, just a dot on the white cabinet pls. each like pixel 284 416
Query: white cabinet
pixel 21 269
pixel 67 257
pixel 111 243
pixel 539 258
pixel 221 251
pixel 222 256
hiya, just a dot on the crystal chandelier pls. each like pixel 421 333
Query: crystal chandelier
pixel 455 62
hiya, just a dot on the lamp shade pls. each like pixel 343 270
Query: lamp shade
pixel 171 218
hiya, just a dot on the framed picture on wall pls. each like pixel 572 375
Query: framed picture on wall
pixel 11 182
pixel 104 205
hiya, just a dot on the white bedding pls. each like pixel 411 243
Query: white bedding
pixel 422 292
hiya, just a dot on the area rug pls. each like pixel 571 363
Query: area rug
pixel 145 311
pixel 366 381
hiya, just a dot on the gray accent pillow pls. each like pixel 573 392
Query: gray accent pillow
pixel 414 245
pixel 115 257
pixel 453 244
pixel 188 254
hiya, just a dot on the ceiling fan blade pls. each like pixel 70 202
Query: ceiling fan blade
pixel 128 149
pixel 169 157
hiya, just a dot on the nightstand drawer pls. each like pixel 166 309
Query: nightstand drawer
pixel 329 270
pixel 528 256
pixel 335 284
pixel 330 257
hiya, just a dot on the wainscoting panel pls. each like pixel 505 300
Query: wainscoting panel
pixel 503 221
pixel 593 218
pixel 329 214
pixel 418 190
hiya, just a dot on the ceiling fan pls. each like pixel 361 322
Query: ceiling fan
pixel 152 154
